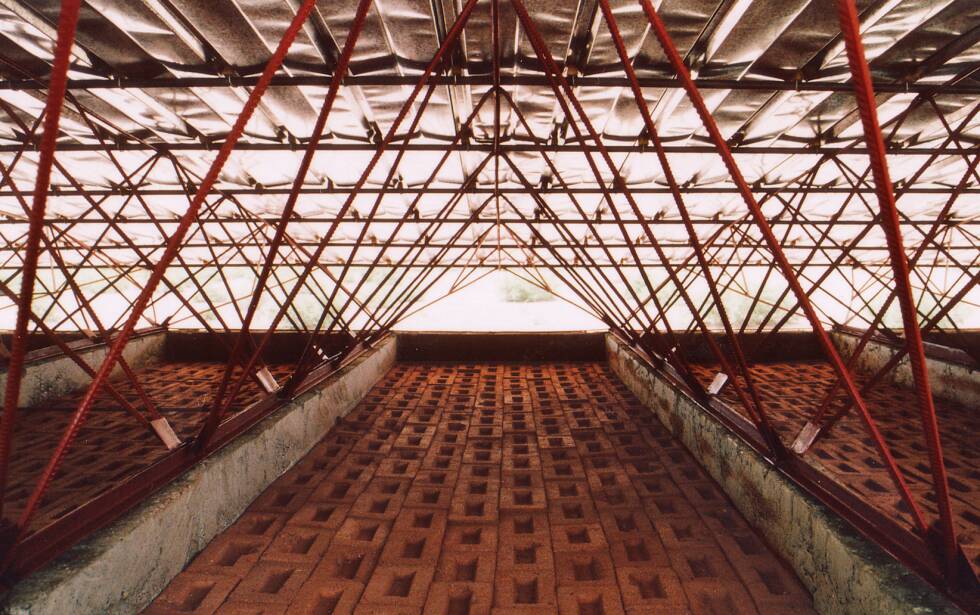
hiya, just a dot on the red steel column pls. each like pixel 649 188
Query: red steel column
pixel 173 245
pixel 67 21
pixel 864 93
pixel 280 231
pixel 765 428
pixel 721 146
pixel 218 409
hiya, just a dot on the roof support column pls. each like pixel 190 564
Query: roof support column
pixel 850 26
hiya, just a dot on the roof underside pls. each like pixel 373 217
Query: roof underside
pixel 157 85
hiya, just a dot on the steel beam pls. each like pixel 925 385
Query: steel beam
pixel 471 79
pixel 442 143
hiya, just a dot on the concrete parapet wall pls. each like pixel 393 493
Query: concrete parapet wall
pixel 844 572
pixel 949 379
pixel 122 567
pixel 51 377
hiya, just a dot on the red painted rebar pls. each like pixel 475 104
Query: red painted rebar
pixel 765 428
pixel 173 245
pixel 340 71
pixel 721 146
pixel 851 28
pixel 67 20
pixel 307 352
pixel 220 406
pixel 559 84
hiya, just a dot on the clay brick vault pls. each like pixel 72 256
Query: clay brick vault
pixel 222 222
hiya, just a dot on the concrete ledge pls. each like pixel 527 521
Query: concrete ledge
pixel 843 571
pixel 124 566
pixel 56 375
pixel 953 380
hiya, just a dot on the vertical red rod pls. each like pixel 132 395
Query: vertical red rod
pixel 864 93
pixel 721 146
pixel 67 20
pixel 173 245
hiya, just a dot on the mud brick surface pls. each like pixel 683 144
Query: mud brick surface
pixel 491 489
pixel 112 446
pixel 791 393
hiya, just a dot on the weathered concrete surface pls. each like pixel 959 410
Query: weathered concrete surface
pixel 844 572
pixel 948 379
pixel 121 568
pixel 51 377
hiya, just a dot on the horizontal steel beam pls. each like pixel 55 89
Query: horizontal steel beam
pixel 754 84
pixel 57 191
pixel 538 263
pixel 486 148
pixel 510 246
pixel 862 222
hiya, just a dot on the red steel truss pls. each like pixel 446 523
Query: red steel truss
pixel 562 210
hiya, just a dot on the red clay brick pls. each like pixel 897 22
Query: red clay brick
pixel 428 496
pixel 468 537
pixel 436 478
pixel 271 582
pixel 569 489
pixel 680 534
pixel 193 593
pixel 231 555
pixel 578 537
pixel 371 608
pixel 322 516
pixel 621 525
pixel 363 532
pixel 601 600
pixel 318 597
pixel 656 590
pixel 381 500
pixel 524 589
pixel 410 519
pixel 518 499
pixel 281 500
pixel 479 472
pixel 524 525
pixel 258 525
pixel 459 599
pixel 298 545
pixel 414 547
pixel 576 511
pixel 590 568
pixel 525 554
pixel 474 508
pixel 467 567
pixel 701 563
pixel 475 489
pixel 346 562
pixel 643 550
pixel 397 468
pixel 248 608
pixel 717 596
pixel 399 586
